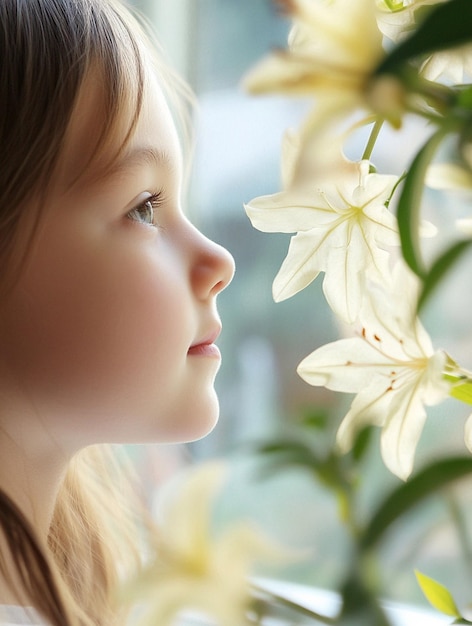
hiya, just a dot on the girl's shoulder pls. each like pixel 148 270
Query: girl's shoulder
pixel 20 616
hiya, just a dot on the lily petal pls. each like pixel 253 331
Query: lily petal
pixel 287 212
pixel 344 365
pixel 391 366
pixel 300 266
pixel 468 432
pixel 402 430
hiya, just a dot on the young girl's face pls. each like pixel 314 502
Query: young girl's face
pixel 109 333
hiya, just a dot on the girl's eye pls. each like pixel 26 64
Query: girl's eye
pixel 144 213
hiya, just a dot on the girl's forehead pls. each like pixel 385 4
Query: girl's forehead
pixel 88 155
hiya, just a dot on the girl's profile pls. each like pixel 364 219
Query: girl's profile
pixel 108 316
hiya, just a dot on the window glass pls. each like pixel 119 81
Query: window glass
pixel 237 157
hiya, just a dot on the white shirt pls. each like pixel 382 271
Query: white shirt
pixel 20 616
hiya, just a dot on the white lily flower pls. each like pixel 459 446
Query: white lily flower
pixel 448 176
pixel 468 432
pixel 333 49
pixel 310 159
pixel 464 225
pixel 453 65
pixel 396 20
pixel 392 368
pixel 453 177
pixel 194 570
pixel 343 229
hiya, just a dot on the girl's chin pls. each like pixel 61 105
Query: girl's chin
pixel 199 429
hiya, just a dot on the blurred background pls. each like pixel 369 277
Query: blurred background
pixel 212 43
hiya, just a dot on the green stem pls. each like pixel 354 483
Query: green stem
pixel 395 187
pixel 456 372
pixel 374 133
pixel 285 602
pixel 347 511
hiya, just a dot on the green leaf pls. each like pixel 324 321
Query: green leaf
pixel 445 26
pixel 317 419
pixel 464 97
pixel 425 483
pixel 437 595
pixel 286 452
pixel 361 443
pixel 441 265
pixel 462 392
pixel 409 204
pixel 460 379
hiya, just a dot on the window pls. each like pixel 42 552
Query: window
pixel 213 43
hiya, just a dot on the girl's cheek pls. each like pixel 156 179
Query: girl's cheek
pixel 90 323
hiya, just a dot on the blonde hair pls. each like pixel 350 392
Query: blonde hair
pixel 94 539
pixel 48 48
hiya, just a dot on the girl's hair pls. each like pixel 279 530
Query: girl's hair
pixel 94 533
pixel 48 48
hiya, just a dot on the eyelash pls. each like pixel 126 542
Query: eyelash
pixel 149 206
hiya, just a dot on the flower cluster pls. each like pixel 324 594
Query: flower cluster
pixel 362 57
pixel 193 569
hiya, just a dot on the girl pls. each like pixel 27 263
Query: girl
pixel 107 312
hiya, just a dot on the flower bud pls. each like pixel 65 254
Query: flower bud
pixel 386 96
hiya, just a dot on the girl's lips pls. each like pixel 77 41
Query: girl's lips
pixel 206 347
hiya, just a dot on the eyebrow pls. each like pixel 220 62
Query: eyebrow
pixel 143 155
pixel 132 159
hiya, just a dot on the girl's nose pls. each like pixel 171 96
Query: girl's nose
pixel 213 268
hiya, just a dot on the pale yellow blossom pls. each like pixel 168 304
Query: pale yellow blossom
pixel 333 49
pixel 195 569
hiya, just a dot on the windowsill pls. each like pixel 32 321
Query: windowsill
pixel 328 603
